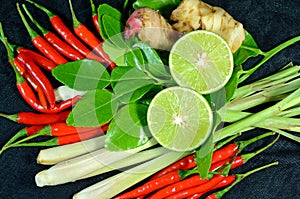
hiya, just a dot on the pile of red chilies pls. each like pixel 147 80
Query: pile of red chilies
pixel 181 179
pixel 35 87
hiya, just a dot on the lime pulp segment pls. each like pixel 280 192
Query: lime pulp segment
pixel 180 118
pixel 201 60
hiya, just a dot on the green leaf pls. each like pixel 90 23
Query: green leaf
pixel 147 98
pixel 112 27
pixel 82 75
pixel 135 58
pixel 110 11
pixel 165 7
pixel 232 84
pixel 154 64
pixel 248 49
pixel 129 128
pixel 130 84
pixel 96 108
pixel 115 53
pixel 105 9
pixel 204 156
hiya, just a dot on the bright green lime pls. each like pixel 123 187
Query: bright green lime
pixel 180 118
pixel 201 60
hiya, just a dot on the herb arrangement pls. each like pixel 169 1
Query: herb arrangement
pixel 120 97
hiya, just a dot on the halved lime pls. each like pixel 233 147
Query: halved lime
pixel 201 60
pixel 179 118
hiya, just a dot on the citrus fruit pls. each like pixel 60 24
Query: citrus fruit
pixel 201 60
pixel 179 118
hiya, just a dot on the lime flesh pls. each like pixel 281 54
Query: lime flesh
pixel 179 118
pixel 201 60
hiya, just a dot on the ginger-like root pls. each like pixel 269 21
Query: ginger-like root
pixel 151 28
pixel 195 14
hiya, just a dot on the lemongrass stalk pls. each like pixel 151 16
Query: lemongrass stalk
pixel 290 124
pixel 267 56
pixel 238 126
pixel 114 185
pixel 57 154
pixel 131 160
pixel 231 116
pixel 267 95
pixel 291 112
pixel 284 75
pixel 76 168
pixel 285 134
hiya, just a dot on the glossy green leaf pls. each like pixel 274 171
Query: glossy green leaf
pixel 82 75
pixel 204 156
pixel 248 49
pixel 115 53
pixel 105 9
pixel 97 107
pixel 129 128
pixel 135 58
pixel 165 7
pixel 154 64
pixel 232 84
pixel 112 27
pixel 130 84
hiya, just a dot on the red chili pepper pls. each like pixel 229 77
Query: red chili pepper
pixel 35 131
pixel 151 186
pixel 39 76
pixel 187 162
pixel 222 154
pixel 198 189
pixel 67 35
pixel 30 118
pixel 42 97
pixel 65 104
pixel 228 180
pixel 21 84
pixel 21 69
pixel 31 130
pixel 32 82
pixel 69 139
pixel 186 183
pixel 39 59
pixel 62 129
pixel 41 44
pixel 55 41
pixel 179 186
pixel 89 38
pixel 95 16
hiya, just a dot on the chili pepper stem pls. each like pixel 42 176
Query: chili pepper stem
pixel 244 144
pixel 43 131
pixel 19 78
pixel 48 12
pixel 48 143
pixel 240 177
pixel 13 117
pixel 18 135
pixel 248 156
pixel 76 23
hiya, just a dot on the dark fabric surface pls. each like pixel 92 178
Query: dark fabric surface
pixel 269 21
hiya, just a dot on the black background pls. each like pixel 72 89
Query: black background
pixel 269 21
